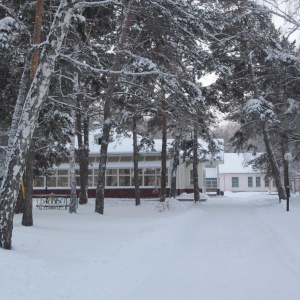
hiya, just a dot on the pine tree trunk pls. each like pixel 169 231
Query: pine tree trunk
pixel 273 162
pixel 19 208
pixel 73 196
pixel 136 164
pixel 83 167
pixel 174 167
pixel 284 149
pixel 86 128
pixel 107 122
pixel 28 121
pixel 266 138
pixel 195 166
pixel 163 185
pixel 27 219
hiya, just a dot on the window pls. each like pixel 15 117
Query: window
pixel 140 177
pixel 111 177
pixel 77 173
pixel 126 158
pixel 62 178
pixel 250 182
pixel 149 177
pixel 267 181
pixel 257 180
pixel 235 182
pixel 113 159
pixel 90 177
pixel 150 158
pixel 124 177
pixel 211 182
pixel 39 181
pixel 91 160
pixel 51 179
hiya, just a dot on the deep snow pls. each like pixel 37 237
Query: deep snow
pixel 238 247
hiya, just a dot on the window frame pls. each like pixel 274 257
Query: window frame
pixel 235 184
pixel 250 182
pixel 258 181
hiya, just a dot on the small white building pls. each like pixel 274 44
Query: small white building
pixel 237 175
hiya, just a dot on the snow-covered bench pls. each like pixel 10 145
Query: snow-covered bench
pixel 190 197
pixel 52 201
pixel 211 193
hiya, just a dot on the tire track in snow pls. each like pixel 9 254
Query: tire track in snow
pixel 221 254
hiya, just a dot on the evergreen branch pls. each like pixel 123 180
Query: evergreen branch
pixel 110 71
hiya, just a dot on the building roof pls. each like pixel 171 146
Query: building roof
pixel 122 144
pixel 237 163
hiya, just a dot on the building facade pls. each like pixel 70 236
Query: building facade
pixel 237 175
pixel 119 172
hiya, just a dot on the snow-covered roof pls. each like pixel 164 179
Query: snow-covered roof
pixel 237 163
pixel 122 144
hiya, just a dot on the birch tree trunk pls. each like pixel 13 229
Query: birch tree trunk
pixel 17 111
pixel 107 122
pixel 35 97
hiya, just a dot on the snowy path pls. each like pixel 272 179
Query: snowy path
pixel 223 251
pixel 227 248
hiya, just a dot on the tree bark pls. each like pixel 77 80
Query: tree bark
pixel 27 219
pixel 83 167
pixel 107 122
pixel 19 208
pixel 266 137
pixel 86 128
pixel 284 149
pixel 73 196
pixel 195 166
pixel 273 162
pixel 136 164
pixel 163 184
pixel 174 167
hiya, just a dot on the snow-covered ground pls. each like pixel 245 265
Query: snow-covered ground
pixel 242 246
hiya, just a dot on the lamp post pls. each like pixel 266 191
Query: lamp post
pixel 288 157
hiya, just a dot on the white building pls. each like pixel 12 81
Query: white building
pixel 119 171
pixel 237 175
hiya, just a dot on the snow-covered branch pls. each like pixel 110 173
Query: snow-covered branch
pixel 96 3
pixel 110 71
